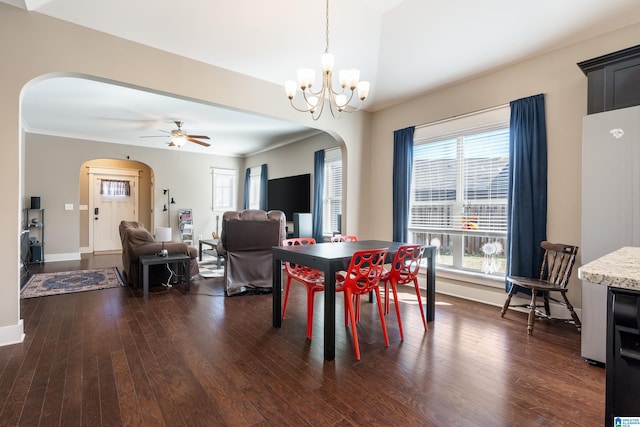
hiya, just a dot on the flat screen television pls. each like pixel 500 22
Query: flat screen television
pixel 290 194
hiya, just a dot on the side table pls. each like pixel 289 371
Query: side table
pixel 213 244
pixel 179 261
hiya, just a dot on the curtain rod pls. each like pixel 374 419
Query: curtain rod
pixel 473 113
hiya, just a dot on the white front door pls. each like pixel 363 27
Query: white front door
pixel 115 198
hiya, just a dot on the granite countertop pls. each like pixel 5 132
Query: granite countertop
pixel 620 269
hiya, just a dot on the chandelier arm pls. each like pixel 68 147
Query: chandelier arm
pixel 352 109
pixel 298 109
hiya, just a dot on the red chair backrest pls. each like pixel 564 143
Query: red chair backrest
pixel 364 271
pixel 406 263
pixel 340 238
pixel 295 269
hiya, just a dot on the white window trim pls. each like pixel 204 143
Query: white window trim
pixel 230 205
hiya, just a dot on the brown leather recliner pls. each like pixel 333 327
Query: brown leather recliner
pixel 138 241
pixel 246 243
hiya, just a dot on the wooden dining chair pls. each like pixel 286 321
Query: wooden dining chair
pixel 340 238
pixel 404 270
pixel 312 279
pixel 361 277
pixel 555 271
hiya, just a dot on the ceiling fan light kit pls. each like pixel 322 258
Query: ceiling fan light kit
pixel 178 137
pixel 338 100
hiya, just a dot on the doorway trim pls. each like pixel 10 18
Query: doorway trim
pixel 93 171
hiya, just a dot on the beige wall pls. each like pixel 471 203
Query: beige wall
pixel 186 175
pixel 565 88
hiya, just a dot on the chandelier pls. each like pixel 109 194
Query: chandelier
pixel 338 100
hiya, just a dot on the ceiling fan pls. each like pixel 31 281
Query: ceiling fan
pixel 180 137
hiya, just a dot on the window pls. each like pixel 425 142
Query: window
pixel 224 189
pixel 115 188
pixel 332 198
pixel 459 193
pixel 254 187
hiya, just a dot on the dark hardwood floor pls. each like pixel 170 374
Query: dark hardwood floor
pixel 110 358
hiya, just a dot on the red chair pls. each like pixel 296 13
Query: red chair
pixel 362 277
pixel 340 275
pixel 340 238
pixel 404 270
pixel 311 278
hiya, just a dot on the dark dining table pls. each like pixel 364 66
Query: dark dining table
pixel 331 258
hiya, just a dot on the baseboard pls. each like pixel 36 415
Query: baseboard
pixel 12 334
pixel 72 256
pixel 495 296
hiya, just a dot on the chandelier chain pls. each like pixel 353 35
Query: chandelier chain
pixel 326 46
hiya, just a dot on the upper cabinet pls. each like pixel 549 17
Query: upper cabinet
pixel 613 80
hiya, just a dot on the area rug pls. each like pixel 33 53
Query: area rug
pixel 44 284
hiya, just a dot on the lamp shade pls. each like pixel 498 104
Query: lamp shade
pixel 163 234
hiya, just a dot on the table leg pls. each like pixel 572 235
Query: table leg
pixel 277 292
pixel 200 250
pixel 145 280
pixel 329 312
pixel 431 284
pixel 187 275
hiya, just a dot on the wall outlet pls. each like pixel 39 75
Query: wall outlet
pixel 68 206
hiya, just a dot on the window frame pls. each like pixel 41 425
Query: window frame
pixel 333 158
pixel 224 183
pixel 455 129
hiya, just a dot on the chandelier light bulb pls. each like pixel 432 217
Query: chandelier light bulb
pixel 328 59
pixel 363 90
pixel 306 76
pixel 290 87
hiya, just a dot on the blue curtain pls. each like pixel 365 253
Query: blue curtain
pixel 263 186
pixel 527 201
pixel 402 166
pixel 318 192
pixel 247 187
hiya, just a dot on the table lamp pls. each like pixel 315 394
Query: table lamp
pixel 163 234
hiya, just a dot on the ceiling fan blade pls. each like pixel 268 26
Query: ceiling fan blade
pixel 204 144
pixel 199 136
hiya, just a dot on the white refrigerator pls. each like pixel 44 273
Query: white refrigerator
pixel 610 208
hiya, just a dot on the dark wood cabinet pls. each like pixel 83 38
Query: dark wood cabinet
pixel 614 80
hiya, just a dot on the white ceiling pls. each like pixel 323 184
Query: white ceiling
pixel 403 47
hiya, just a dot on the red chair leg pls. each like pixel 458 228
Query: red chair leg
pixel 395 302
pixel 286 296
pixel 386 297
pixel 424 320
pixel 381 311
pixel 348 302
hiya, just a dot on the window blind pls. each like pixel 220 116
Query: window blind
pixel 461 183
